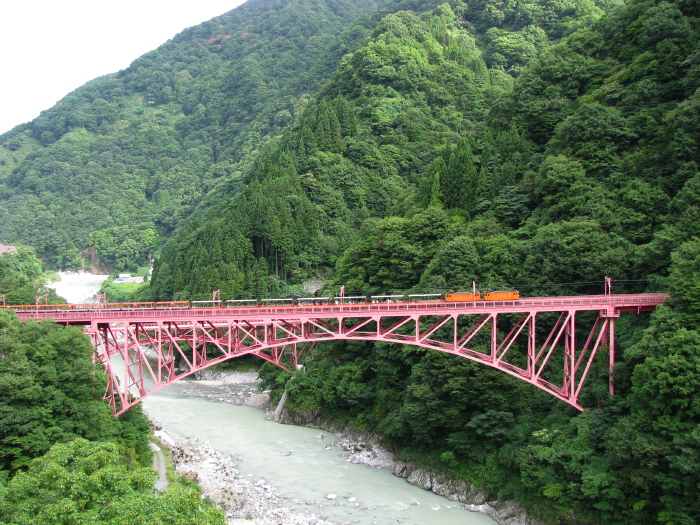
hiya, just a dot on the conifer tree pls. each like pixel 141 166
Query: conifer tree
pixel 430 192
pixel 328 132
pixel 346 117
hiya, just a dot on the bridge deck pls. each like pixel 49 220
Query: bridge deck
pixel 611 303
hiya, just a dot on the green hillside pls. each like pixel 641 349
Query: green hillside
pixel 588 167
pixel 64 457
pixel 433 158
pixel 418 89
pixel 119 162
pixel 123 162
pixel 419 146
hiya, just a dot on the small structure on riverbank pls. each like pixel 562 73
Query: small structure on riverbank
pixel 128 278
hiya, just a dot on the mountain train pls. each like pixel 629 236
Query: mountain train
pixel 456 297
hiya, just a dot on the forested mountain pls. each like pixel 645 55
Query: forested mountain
pixel 419 86
pixel 589 165
pixel 594 142
pixel 416 147
pixel 120 161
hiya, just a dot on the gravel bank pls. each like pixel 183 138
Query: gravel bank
pixel 245 392
pixel 249 501
pixel 245 501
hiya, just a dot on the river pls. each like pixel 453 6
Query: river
pixel 301 467
pixel 298 464
pixel 78 288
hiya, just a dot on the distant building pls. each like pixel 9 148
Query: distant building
pixel 4 248
pixel 127 278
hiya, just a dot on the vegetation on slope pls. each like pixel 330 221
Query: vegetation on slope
pixel 456 143
pixel 358 152
pixel 122 160
pixel 87 482
pixel 22 278
pixel 422 170
pixel 64 457
pixel 588 168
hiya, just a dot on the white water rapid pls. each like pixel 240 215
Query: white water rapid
pixel 78 288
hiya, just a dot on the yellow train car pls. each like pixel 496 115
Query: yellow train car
pixel 460 297
pixel 501 296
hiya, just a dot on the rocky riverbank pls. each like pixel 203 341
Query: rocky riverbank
pixel 237 388
pixel 246 499
pixel 366 449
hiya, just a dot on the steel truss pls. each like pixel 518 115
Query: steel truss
pixel 545 348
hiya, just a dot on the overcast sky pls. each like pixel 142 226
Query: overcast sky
pixel 48 48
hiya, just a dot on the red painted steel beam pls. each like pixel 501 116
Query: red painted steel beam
pixel 150 343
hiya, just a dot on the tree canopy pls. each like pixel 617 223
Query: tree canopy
pixel 419 146
pixel 87 482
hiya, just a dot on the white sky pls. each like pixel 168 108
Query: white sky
pixel 48 48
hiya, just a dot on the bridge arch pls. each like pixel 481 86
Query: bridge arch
pixel 140 355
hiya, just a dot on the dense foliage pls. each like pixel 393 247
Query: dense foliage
pixel 87 482
pixel 64 457
pixel 49 385
pixel 122 160
pixel 534 144
pixel 587 168
pixel 381 139
pixel 22 278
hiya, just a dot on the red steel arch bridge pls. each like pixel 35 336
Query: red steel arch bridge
pixel 550 342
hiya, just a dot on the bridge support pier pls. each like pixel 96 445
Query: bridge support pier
pixel 141 358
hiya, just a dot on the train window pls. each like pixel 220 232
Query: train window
pixel 241 303
pixel 351 299
pixel 313 301
pixel 425 298
pixel 172 304
pixel 462 297
pixel 206 304
pixel 502 296
pixel 84 306
pixel 143 305
pixel 387 298
pixel 289 301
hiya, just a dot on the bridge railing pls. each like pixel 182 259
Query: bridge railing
pixel 585 302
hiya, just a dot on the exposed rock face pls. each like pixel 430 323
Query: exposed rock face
pixel 455 490
pixel 95 265
pixel 503 512
pixel 306 419
pixel 366 449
